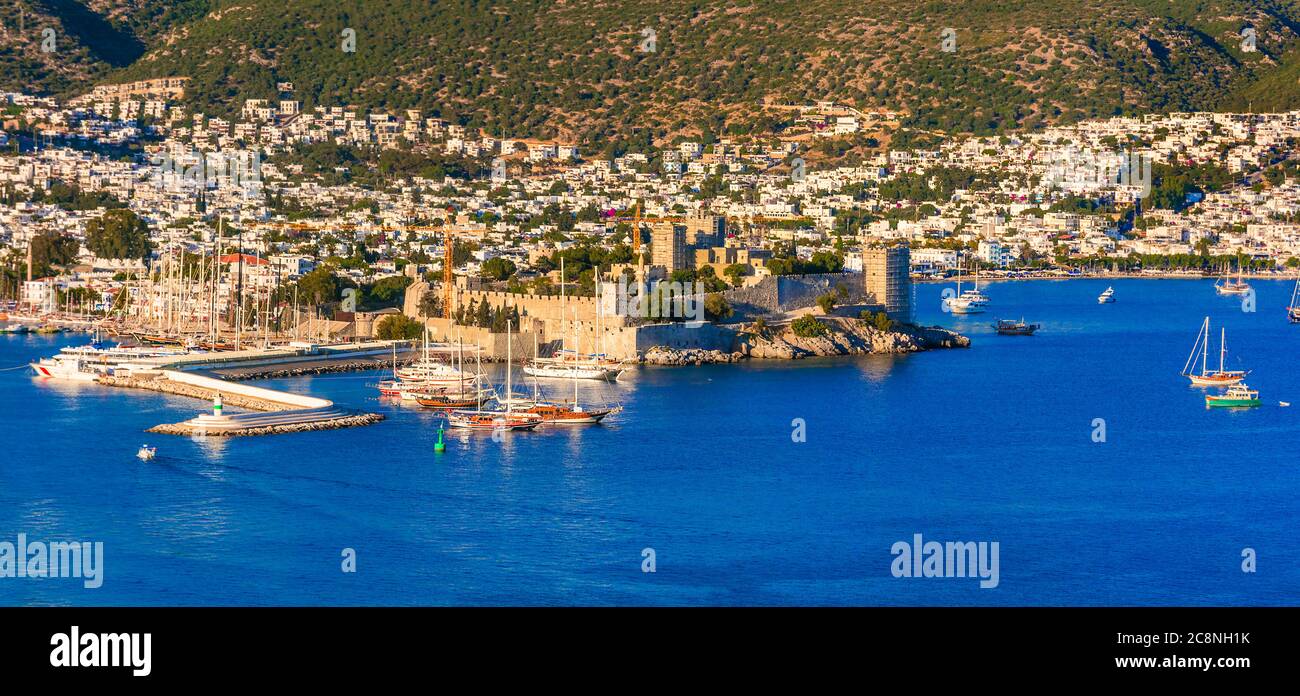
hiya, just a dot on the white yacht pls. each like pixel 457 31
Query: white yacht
pixel 86 363
pixel 1107 296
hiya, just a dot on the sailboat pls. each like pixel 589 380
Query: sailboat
pixel 966 302
pixel 974 297
pixel 1233 286
pixel 509 419
pixel 1208 377
pixel 1293 309
pixel 463 393
pixel 569 414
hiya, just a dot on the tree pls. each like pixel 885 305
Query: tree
pixel 716 307
pixel 386 292
pixel 397 327
pixel 735 272
pixel 118 234
pixel 319 286
pixel 431 303
pixel 827 302
pixel 498 268
pixel 49 250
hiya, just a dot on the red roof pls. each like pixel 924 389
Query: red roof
pixel 249 259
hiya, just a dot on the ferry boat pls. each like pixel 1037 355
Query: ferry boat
pixel 1209 377
pixel 87 363
pixel 1237 396
pixel 1107 296
pixel 1011 327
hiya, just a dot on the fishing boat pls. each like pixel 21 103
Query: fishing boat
pixel 1011 327
pixel 1209 377
pixel 146 452
pixel 1237 396
pixel 1107 296
pixel 1293 309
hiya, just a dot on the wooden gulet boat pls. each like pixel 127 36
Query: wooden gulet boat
pixel 566 414
pixel 1209 377
pixel 480 419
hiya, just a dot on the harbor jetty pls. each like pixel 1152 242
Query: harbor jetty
pixel 265 411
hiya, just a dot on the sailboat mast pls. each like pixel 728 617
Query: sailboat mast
pixel 1223 345
pixel 509 359
pixel 574 369
pixel 1205 346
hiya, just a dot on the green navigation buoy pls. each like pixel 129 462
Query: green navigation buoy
pixel 439 446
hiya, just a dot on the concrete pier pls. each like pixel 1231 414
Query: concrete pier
pixel 270 411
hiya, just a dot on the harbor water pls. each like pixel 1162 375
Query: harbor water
pixel 1080 450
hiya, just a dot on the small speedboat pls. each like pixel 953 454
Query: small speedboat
pixel 1107 296
pixel 146 453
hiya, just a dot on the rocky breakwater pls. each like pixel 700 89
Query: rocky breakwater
pixel 844 336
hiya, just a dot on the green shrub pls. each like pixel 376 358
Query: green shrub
pixel 807 326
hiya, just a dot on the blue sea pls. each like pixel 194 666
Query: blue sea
pixel 996 443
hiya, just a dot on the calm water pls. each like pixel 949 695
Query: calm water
pixel 993 443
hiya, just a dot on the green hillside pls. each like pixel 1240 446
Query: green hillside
pixel 579 70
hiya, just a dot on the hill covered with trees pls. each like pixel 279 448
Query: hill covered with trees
pixel 617 74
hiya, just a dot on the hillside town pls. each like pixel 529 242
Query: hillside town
pixel 400 204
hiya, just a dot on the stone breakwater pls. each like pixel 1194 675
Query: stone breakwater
pixel 343 419
pixel 166 386
pixel 322 367
pixel 348 421
pixel 843 337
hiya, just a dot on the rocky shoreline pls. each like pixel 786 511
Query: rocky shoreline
pixel 844 336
